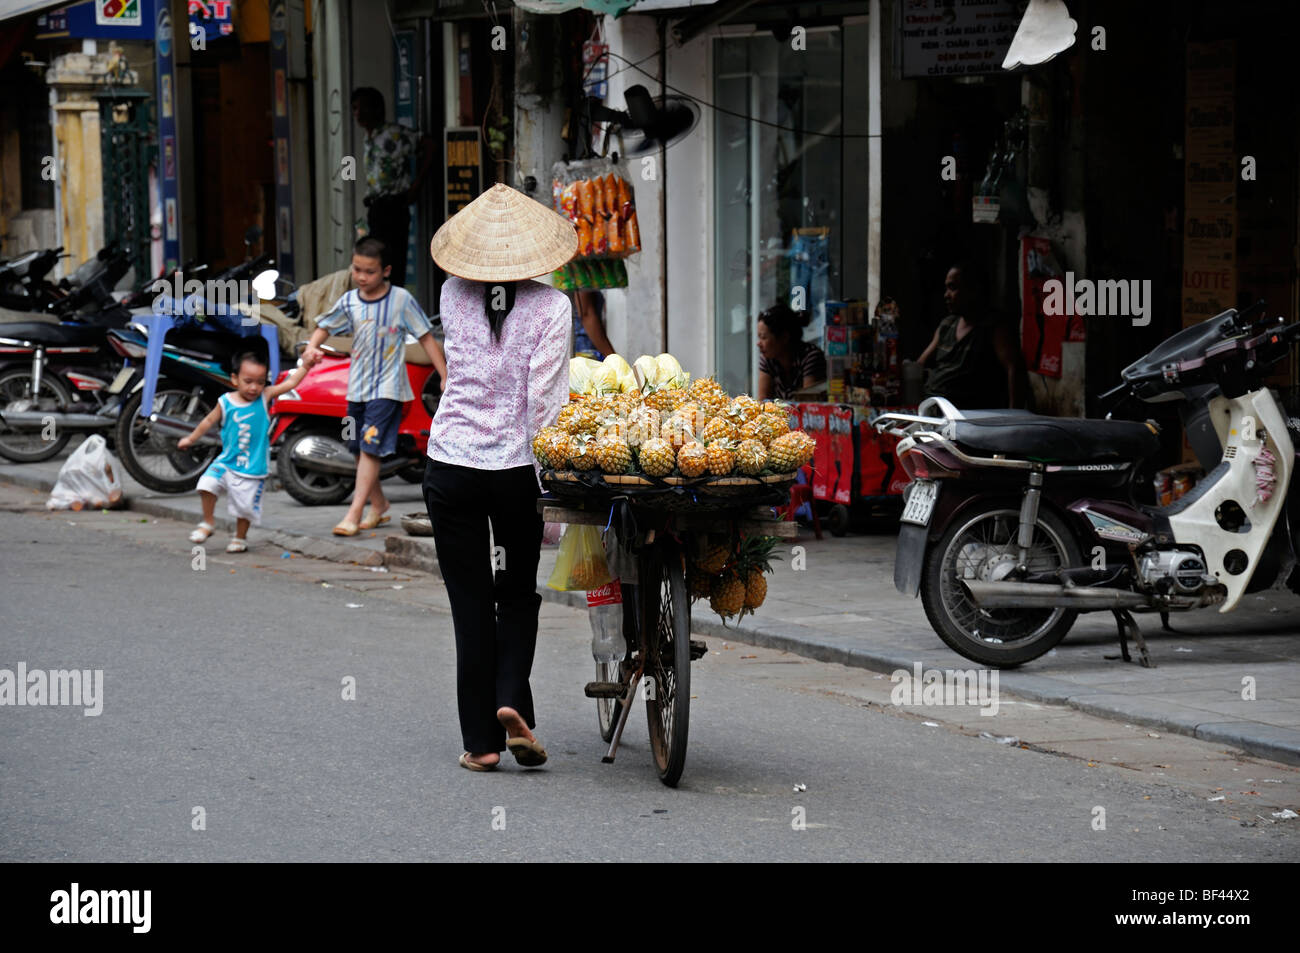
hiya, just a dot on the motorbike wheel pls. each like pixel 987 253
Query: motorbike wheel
pixel 309 487
pixel 981 545
pixel 413 474
pixel 153 457
pixel 16 385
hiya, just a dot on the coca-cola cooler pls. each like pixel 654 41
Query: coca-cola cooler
pixel 854 468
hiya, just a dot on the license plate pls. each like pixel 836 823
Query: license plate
pixel 920 502
pixel 120 380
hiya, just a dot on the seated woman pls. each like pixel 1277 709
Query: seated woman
pixel 787 362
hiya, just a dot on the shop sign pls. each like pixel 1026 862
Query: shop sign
pixel 464 167
pixel 956 37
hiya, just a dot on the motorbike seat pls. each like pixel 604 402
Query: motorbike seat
pixel 1057 439
pixel 53 335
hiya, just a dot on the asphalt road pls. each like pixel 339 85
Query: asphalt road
pixel 223 690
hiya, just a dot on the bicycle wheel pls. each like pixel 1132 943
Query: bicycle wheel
pixel 608 709
pixel 666 615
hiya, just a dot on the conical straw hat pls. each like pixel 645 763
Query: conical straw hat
pixel 503 235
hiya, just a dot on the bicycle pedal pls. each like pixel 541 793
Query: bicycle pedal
pixel 604 690
pixel 699 648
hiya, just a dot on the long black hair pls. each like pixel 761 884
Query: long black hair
pixel 494 291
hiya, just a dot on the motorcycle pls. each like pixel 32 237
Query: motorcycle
pixel 45 361
pixel 1014 523
pixel 308 430
pixel 194 373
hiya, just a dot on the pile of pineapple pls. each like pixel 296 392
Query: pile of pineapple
pixel 667 426
pixel 731 576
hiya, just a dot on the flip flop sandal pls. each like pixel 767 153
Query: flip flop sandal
pixel 237 546
pixel 465 762
pixel 529 754
pixel 202 532
pixel 345 528
pixel 371 521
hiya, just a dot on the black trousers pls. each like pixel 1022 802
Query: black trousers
pixel 389 220
pixel 494 598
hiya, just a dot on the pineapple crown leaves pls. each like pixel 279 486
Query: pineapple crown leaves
pixel 756 553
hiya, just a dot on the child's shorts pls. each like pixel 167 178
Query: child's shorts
pixel 244 493
pixel 375 426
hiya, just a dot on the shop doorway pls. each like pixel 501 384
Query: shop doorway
pixel 779 189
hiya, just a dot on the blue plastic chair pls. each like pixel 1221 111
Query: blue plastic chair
pixel 163 320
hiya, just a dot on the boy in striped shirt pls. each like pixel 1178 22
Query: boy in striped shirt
pixel 378 315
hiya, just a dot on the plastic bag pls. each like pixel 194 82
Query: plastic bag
pixel 88 479
pixel 580 564
pixel 596 196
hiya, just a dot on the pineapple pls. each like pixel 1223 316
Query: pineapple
pixel 713 559
pixel 551 447
pixel 541 446
pixel 719 428
pixel 565 420
pixel 613 455
pixel 613 427
pixel 746 406
pixel 785 454
pixel 657 457
pixel 776 424
pixel 692 459
pixel 699 584
pixel 582 452
pixel 665 399
pixel 584 418
pixel 751 457
pixel 808 446
pixel 720 457
pixel 755 559
pixel 772 407
pixel 728 596
pixel 677 431
pixel 749 430
pixel 642 424
pixel 705 388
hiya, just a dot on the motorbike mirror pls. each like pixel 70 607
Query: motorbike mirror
pixel 264 284
pixel 252 235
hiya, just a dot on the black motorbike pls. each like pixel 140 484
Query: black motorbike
pixel 1014 524
pixel 56 365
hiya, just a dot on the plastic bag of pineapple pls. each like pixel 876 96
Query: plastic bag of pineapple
pixel 580 563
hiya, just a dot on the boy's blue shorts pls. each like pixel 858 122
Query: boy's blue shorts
pixel 375 426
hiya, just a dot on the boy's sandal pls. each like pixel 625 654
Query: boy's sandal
pixel 345 528
pixel 237 546
pixel 202 532
pixel 370 520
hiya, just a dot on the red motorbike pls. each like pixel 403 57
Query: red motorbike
pixel 309 431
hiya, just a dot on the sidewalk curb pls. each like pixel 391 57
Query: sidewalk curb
pixel 294 542
pixel 1253 738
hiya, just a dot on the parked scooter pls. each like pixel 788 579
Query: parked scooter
pixel 54 375
pixel 195 372
pixel 1014 523
pixel 308 431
